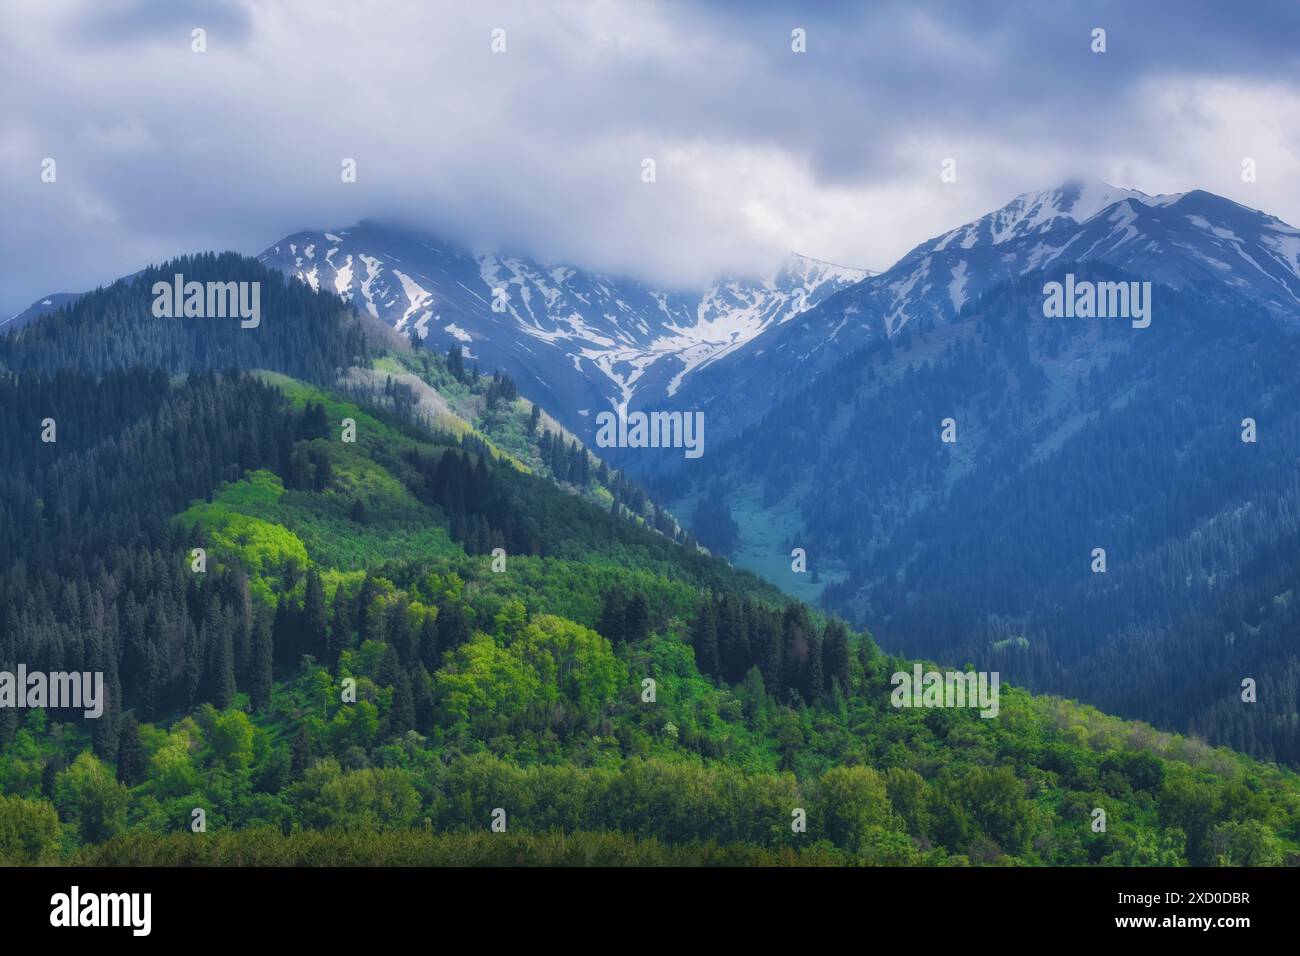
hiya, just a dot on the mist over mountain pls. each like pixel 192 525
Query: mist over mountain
pixel 1178 241
pixel 577 342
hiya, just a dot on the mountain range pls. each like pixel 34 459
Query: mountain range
pixel 1091 508
pixel 1189 239
pixel 529 633
pixel 577 342
pixel 823 388
pixel 362 604
pixel 584 342
pixel 581 342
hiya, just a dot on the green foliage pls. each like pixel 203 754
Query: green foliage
pixel 484 679
pixel 231 739
pixel 259 545
pixel 851 807
pixel 572 663
pixel 525 690
pixel 369 800
pixel 29 831
pixel 417 848
pixel 91 800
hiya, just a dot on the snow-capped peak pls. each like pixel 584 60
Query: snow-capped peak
pixel 1075 201
pixel 553 323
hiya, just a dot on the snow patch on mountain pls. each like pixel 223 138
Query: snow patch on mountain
pixel 630 340
pixel 343 279
pixel 417 297
pixel 957 287
pixel 1040 212
pixel 1177 240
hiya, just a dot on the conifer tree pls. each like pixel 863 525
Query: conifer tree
pixel 453 628
pixel 704 636
pixel 340 636
pixel 8 725
pixel 132 762
pixel 456 362
pixel 398 629
pixel 259 685
pixel 315 624
pixel 613 617
pixel 402 717
pixel 302 753
pixel 428 642
pixel 422 692
pixel 636 619
pixel 836 656
pixel 815 680
pixel 222 664
pixel 733 639
pixel 369 615
pixel 284 633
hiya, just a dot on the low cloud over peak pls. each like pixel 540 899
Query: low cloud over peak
pixel 757 149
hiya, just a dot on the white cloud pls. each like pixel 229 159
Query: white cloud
pixel 833 153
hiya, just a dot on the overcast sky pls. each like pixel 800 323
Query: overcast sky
pixel 834 153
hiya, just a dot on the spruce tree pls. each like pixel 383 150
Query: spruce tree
pixel 398 629
pixel 284 633
pixel 259 684
pixel 428 644
pixel 50 776
pixel 340 637
pixel 302 753
pixel 105 730
pixel 390 668
pixel 733 639
pixel 8 725
pixel 636 619
pixel 613 617
pixel 402 717
pixel 815 680
pixel 315 624
pixel 132 762
pixel 193 662
pixel 704 635
pixel 836 656
pixel 369 614
pixel 422 694
pixel 453 628
pixel 223 667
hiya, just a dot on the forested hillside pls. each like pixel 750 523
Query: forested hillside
pixel 1069 436
pixel 302 333
pixel 392 647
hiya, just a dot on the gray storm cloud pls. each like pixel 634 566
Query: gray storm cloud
pixel 759 150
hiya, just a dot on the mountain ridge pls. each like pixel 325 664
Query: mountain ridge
pixel 514 648
pixel 581 342
pixel 1177 240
